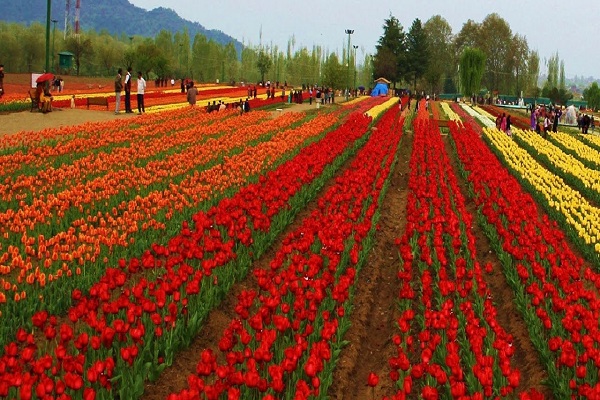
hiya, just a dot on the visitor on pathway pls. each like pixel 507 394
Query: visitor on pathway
pixel 118 89
pixel 128 91
pixel 191 94
pixel 508 126
pixel 246 105
pixel 141 89
pixel 1 80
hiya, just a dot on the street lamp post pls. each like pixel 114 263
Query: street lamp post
pixel 355 47
pixel 48 10
pixel 348 32
pixel 54 21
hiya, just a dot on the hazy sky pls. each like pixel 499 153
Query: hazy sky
pixel 570 28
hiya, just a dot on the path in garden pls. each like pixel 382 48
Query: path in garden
pixel 36 121
pixel 374 314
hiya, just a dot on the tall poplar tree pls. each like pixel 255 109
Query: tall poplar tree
pixel 472 67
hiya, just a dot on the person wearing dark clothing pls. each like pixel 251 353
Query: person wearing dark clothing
pixel 1 80
pixel 127 85
pixel 118 89
pixel 557 114
pixel 585 123
pixel 246 106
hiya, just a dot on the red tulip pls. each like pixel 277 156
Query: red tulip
pixel 373 379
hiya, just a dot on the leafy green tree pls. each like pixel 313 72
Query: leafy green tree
pixel 533 72
pixel 495 39
pixel 231 62
pixel 417 55
pixel 334 75
pixel 391 49
pixel 183 47
pixel 385 65
pixel 107 53
pixel 248 65
pixel 472 67
pixel 556 95
pixel 263 64
pixel 149 57
pixel 517 60
pixel 439 39
pixel 10 48
pixel 467 37
pixel 33 47
pixel 592 96
pixel 552 80
pixel 81 48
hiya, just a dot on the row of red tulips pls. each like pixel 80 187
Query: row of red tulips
pixel 450 344
pixel 287 334
pixel 556 292
pixel 128 327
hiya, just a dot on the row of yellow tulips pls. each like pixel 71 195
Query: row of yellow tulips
pixel 582 216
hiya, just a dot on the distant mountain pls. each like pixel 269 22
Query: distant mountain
pixel 115 16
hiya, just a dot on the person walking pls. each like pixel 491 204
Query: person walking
pixel 191 94
pixel 1 80
pixel 118 89
pixel 128 91
pixel 141 89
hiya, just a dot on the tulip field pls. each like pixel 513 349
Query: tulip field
pixel 354 251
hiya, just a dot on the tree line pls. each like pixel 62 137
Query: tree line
pixel 177 55
pixel 428 57
pixel 487 55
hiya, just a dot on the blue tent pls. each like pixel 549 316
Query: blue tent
pixel 381 89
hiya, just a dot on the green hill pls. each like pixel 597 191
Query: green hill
pixel 115 16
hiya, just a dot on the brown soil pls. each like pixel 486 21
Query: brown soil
pixel 370 335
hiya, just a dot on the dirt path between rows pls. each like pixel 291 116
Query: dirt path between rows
pixel 374 309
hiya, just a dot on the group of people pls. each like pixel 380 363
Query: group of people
pixel 162 82
pixel 58 84
pixel 125 84
pixel 241 106
pixel 504 123
pixel 545 119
